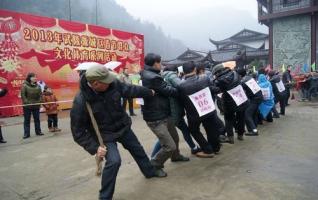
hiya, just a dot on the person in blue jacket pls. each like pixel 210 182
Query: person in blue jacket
pixel 268 98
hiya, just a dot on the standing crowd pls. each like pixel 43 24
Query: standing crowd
pixel 170 97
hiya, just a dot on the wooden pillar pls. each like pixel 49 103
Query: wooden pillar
pixel 270 41
pixel 313 37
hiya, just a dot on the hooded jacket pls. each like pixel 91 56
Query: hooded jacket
pixel 51 108
pixel 227 80
pixel 156 107
pixel 266 106
pixel 111 117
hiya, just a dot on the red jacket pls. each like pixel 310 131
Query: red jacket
pixel 51 108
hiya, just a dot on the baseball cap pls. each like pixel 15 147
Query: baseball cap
pixel 99 72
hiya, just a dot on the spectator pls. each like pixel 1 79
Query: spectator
pixel 124 77
pixel 31 98
pixel 2 93
pixel 51 109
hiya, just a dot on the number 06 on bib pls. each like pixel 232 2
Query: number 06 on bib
pixel 203 101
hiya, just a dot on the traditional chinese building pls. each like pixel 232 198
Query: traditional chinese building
pixel 292 30
pixel 189 55
pixel 243 47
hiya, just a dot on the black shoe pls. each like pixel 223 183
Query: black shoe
pixel 276 116
pixel 252 133
pixel 26 137
pixel 3 141
pixel 180 158
pixel 240 137
pixel 39 134
pixel 132 115
pixel 231 139
pixel 195 150
pixel 282 114
pixel 159 173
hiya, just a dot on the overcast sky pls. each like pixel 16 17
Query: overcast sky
pixel 217 19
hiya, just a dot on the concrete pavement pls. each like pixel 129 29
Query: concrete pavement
pixel 281 163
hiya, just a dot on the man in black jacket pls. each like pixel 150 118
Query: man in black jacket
pixel 156 112
pixel 254 94
pixel 279 91
pixel 196 96
pixel 287 80
pixel 2 93
pixel 100 88
pixel 234 100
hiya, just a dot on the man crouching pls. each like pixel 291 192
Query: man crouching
pixel 100 88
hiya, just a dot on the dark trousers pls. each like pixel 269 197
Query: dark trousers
pixel 209 124
pixel 130 104
pixel 234 119
pixel 287 95
pixel 113 162
pixel 27 112
pixel 183 127
pixel 1 137
pixel 251 116
pixel 52 121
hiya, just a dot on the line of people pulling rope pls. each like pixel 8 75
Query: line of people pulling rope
pixel 167 98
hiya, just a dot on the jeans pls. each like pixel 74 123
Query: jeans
pixel 167 134
pixel 130 104
pixel 251 115
pixel 234 119
pixel 113 162
pixel 52 121
pixel 210 125
pixel 27 111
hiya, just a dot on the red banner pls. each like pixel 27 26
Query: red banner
pixel 52 48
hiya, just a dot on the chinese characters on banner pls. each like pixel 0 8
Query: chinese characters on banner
pixel 280 86
pixel 203 102
pixel 252 84
pixel 238 95
pixel 52 48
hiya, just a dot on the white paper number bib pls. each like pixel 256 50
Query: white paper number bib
pixel 203 101
pixel 280 86
pixel 238 95
pixel 140 101
pixel 253 86
pixel 266 93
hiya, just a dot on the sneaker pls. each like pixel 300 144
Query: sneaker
pixel 223 139
pixel 252 133
pixel 240 137
pixel 204 155
pixel 26 137
pixel 231 139
pixel 195 150
pixel 180 158
pixel 159 173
